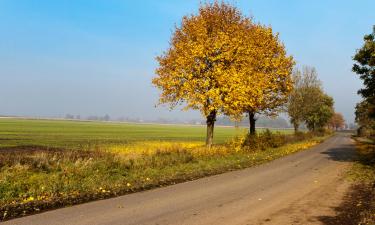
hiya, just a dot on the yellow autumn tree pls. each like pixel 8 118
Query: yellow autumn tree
pixel 204 61
pixel 264 86
pixel 221 62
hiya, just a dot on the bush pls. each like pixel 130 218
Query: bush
pixel 267 139
pixel 264 140
pixel 365 131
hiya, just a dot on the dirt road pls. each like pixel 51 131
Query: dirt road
pixel 297 189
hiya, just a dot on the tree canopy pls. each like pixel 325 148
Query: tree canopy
pixel 265 85
pixel 365 68
pixel 220 62
pixel 337 121
pixel 319 110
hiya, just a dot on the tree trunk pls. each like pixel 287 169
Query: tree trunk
pixel 252 122
pixel 296 125
pixel 236 124
pixel 211 118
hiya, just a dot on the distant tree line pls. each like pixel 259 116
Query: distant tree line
pixel 72 117
pixel 78 117
pixel 261 121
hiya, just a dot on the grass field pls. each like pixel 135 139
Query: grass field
pixel 46 164
pixel 72 134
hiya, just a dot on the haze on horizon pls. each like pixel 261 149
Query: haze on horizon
pixel 92 57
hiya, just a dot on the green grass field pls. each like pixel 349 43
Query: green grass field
pixel 71 134
pixel 55 133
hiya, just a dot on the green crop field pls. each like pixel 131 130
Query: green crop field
pixel 56 133
pixel 72 134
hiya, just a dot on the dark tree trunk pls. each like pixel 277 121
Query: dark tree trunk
pixel 296 125
pixel 211 118
pixel 252 122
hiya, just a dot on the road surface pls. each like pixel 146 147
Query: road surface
pixel 297 189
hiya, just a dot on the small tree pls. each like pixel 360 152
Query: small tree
pixel 319 110
pixel 337 121
pixel 206 55
pixel 307 87
pixel 295 101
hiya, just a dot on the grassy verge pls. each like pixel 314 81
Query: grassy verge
pixel 364 167
pixel 33 179
pixel 361 201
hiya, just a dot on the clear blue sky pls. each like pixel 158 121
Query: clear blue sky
pixel 96 57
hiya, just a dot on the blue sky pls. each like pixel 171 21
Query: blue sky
pixel 95 57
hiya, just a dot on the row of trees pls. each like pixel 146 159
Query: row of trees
pixel 365 68
pixel 221 62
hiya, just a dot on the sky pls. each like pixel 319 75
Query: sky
pixel 97 57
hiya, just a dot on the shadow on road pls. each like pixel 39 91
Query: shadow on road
pixel 344 153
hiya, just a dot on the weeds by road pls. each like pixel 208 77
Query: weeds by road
pixel 363 173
